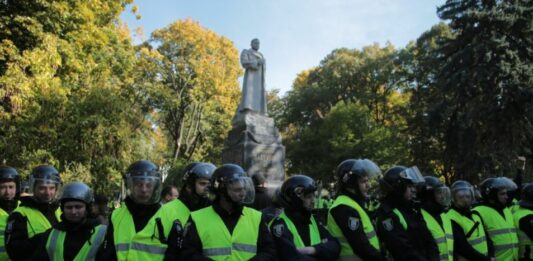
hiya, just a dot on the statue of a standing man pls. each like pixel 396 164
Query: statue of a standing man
pixel 253 85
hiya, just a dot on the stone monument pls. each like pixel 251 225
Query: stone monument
pixel 254 142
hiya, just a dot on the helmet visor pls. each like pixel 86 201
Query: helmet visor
pixel 463 196
pixel 241 190
pixel 413 173
pixel 442 196
pixel 507 183
pixel 372 170
pixel 144 189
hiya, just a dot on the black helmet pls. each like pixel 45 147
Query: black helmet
pixel 143 172
pixel 433 187
pixel 349 172
pixel 527 196
pixel 294 188
pixel 229 174
pixel 396 179
pixel 490 187
pixel 197 170
pixel 77 191
pixel 46 174
pixel 461 186
pixel 10 174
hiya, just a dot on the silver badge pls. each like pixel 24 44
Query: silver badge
pixel 387 224
pixel 353 223
pixel 278 230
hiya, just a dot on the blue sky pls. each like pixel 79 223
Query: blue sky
pixel 295 34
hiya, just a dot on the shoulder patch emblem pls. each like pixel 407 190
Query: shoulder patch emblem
pixel 353 223
pixel 387 224
pixel 278 230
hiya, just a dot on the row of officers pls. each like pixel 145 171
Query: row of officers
pixel 414 220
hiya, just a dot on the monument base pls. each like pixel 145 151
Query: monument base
pixel 254 143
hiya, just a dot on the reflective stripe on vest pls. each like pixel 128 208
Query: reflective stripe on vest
pixel 442 235
pixel 477 239
pixel 525 243
pixel 501 231
pixel 314 233
pixel 368 227
pixel 218 243
pixel 37 222
pixel 142 245
pixel 56 241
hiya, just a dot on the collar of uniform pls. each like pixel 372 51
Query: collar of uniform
pixel 141 209
pixel 299 217
pixel 192 201
pixel 223 213
pixel 43 207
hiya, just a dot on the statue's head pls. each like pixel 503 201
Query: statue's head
pixel 255 44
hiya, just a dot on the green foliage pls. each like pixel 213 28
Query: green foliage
pixel 66 74
pixel 484 87
pixel 351 106
pixel 193 74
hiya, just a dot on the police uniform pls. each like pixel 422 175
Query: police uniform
pixel 403 230
pixel 233 234
pixel 26 221
pixel 352 226
pixel 400 224
pixel 227 230
pixel 469 237
pixel 297 228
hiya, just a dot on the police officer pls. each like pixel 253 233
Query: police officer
pixel 35 214
pixel 136 229
pixel 194 195
pixel 523 219
pixel 399 221
pixel 497 218
pixel 77 236
pixel 469 240
pixel 347 219
pixel 195 191
pixel 227 230
pixel 9 196
pixel 298 236
pixel 435 198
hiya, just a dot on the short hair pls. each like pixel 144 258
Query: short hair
pixel 167 190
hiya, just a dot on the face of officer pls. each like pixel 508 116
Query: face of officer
pixel 142 191
pixel 364 185
pixel 201 187
pixel 45 192
pixel 236 191
pixel 308 201
pixel 410 193
pixel 502 196
pixel 74 211
pixel 463 199
pixel 8 190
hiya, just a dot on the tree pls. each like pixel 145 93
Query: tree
pixel 485 86
pixel 195 88
pixel 66 82
pixel 419 65
pixel 351 106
